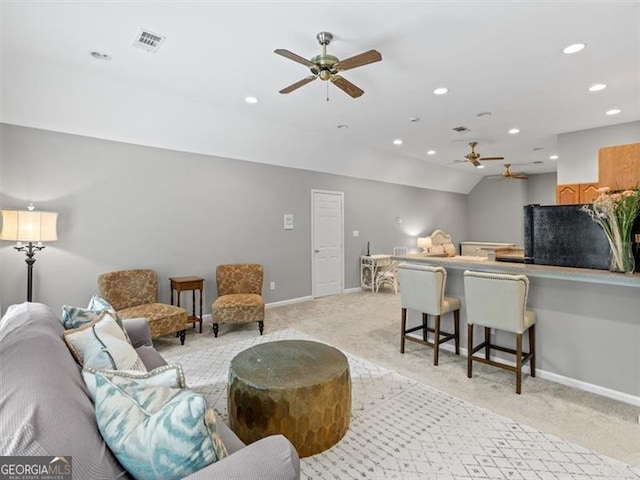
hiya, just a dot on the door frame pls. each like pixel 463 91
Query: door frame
pixel 313 263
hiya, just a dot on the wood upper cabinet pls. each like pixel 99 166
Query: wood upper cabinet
pixel 575 193
pixel 568 194
pixel 619 166
pixel 588 192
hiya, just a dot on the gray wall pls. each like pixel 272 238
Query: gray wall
pixel 494 206
pixel 124 206
pixel 578 151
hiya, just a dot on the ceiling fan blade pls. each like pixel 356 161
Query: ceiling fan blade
pixel 294 57
pixel 491 158
pixel 346 86
pixel 359 60
pixel 519 175
pixel 473 160
pixel 298 84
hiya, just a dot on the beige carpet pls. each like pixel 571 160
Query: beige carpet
pixel 367 325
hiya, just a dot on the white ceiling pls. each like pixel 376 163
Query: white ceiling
pixel 500 57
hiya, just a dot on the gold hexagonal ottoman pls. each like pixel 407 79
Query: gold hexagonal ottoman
pixel 298 388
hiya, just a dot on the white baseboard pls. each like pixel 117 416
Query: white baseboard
pixel 289 302
pixel 561 379
pixel 352 290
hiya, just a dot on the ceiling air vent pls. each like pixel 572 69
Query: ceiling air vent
pixel 461 129
pixel 148 41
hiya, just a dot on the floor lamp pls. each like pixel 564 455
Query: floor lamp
pixel 31 227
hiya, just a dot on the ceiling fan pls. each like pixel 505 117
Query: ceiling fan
pixel 474 158
pixel 509 174
pixel 326 67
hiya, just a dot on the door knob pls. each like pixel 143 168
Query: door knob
pixel 317 251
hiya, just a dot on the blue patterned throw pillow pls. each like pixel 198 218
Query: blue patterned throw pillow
pixel 156 432
pixel 75 317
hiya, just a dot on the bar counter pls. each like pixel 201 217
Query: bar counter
pixel 540 271
pixel 588 322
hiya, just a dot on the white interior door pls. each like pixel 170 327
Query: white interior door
pixel 326 242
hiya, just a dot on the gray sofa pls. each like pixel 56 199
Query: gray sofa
pixel 45 408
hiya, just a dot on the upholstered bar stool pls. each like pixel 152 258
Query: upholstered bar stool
pixel 423 290
pixel 498 300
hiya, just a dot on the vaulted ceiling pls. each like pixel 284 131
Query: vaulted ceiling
pixel 502 63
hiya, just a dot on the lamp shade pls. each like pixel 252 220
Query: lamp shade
pixel 28 226
pixel 424 242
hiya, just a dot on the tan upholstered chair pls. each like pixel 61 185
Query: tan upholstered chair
pixel 239 295
pixel 498 300
pixel 423 290
pixel 134 294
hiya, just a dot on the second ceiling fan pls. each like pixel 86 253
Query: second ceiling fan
pixel 327 67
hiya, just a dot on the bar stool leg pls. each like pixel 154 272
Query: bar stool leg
pixel 487 339
pixel 403 328
pixel 469 349
pixel 532 349
pixel 456 331
pixel 436 341
pixel 518 362
pixel 425 323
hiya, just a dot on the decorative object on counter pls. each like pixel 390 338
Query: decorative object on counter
pixel 424 243
pixel 32 227
pixel 438 244
pixel 615 213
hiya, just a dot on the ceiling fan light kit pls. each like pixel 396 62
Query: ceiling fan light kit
pixel 327 67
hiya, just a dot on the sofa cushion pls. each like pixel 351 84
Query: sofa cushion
pixel 156 432
pixel 166 376
pixel 104 343
pixel 44 404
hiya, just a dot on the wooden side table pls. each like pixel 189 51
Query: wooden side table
pixel 185 284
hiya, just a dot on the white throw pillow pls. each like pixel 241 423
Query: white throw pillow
pixel 170 376
pixel 105 345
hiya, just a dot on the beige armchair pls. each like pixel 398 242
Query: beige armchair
pixel 239 295
pixel 134 294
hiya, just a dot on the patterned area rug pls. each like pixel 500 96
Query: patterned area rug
pixel 402 429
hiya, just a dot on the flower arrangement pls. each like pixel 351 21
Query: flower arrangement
pixel 616 212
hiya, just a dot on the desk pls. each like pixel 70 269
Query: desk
pixel 369 267
pixel 185 284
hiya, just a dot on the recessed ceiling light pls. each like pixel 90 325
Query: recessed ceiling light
pixel 513 131
pixel 537 149
pixel 397 141
pixel 414 119
pixel 597 87
pixel 440 91
pixel 431 152
pixel 251 99
pixel 483 114
pixel 613 111
pixel 553 157
pixel 343 126
pixel 100 56
pixel 574 48
pixel 480 166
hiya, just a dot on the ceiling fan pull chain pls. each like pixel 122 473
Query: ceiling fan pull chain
pixel 327 91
